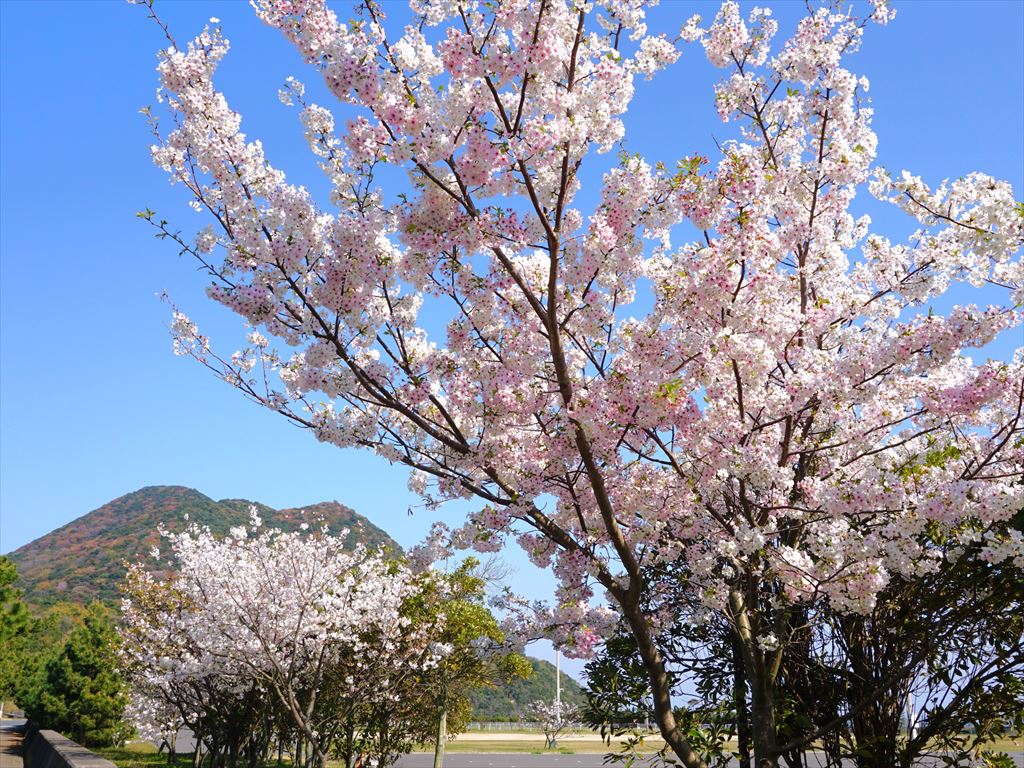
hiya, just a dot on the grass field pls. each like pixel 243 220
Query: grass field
pixel 591 745
pixel 143 755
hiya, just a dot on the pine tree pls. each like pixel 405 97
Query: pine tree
pixel 83 695
pixel 14 627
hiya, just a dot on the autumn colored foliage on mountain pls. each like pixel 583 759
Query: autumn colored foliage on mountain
pixel 84 560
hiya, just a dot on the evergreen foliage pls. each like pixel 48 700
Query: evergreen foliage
pixel 83 695
pixel 14 627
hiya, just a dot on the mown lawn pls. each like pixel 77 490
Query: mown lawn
pixel 143 755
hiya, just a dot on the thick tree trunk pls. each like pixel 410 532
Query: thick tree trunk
pixel 350 742
pixel 762 717
pixel 442 736
pixel 660 688
pixel 739 696
pixel 761 679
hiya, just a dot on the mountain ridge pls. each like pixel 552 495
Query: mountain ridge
pixel 84 560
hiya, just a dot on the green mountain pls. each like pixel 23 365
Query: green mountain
pixel 84 560
pixel 509 702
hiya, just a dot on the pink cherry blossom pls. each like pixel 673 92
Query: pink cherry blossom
pixel 789 418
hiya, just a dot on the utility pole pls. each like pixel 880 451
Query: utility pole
pixel 911 716
pixel 558 683
pixel 558 698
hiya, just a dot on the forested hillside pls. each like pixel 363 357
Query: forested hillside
pixel 84 560
pixel 511 700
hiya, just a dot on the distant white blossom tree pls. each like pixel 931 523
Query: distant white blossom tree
pixel 554 717
pixel 295 621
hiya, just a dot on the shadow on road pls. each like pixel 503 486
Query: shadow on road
pixel 10 743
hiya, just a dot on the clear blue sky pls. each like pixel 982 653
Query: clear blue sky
pixel 92 402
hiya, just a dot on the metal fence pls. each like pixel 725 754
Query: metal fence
pixel 528 725
pixel 508 725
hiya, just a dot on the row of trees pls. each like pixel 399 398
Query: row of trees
pixel 787 452
pixel 284 667
pixel 264 641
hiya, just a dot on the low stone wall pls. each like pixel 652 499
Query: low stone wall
pixel 48 749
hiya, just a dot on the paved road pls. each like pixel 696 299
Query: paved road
pixel 459 760
pixel 10 743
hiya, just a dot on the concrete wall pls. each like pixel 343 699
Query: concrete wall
pixel 48 749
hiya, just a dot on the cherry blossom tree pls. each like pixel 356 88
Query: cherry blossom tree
pixel 226 713
pixel 276 622
pixel 719 365
pixel 554 718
